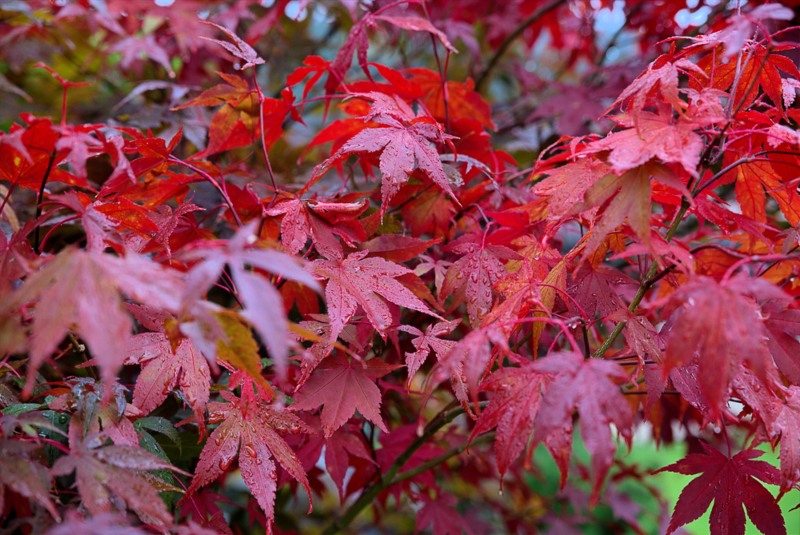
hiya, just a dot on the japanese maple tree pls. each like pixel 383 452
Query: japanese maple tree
pixel 430 266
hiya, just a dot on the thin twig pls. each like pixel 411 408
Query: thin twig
pixel 644 286
pixel 390 476
pixel 512 37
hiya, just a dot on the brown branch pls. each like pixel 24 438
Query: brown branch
pixel 512 37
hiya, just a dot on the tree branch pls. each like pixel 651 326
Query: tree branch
pixel 512 37
pixel 447 415
pixel 644 286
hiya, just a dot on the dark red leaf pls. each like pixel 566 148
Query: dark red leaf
pixel 732 484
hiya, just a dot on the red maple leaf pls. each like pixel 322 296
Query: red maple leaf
pixel 585 184
pixel 661 77
pixel 475 273
pixel 357 41
pixel 344 448
pixel 106 471
pixel 426 342
pixel 755 177
pixel 29 156
pixel 406 142
pixel 651 135
pixel 164 368
pixel 322 222
pixel 442 517
pixel 80 291
pixel 25 476
pixel 597 289
pixel 235 123
pixel 592 388
pixel 239 48
pixel 786 425
pixel 250 430
pixel 719 327
pixel 358 281
pixel 732 484
pixel 512 410
pixel 341 386
pixel 566 186
pixel 783 325
pixel 462 99
pixel 470 358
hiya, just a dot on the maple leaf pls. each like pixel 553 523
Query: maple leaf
pixel 741 25
pixel 250 430
pixel 235 123
pixel 584 184
pixel 239 48
pixel 512 410
pixel 759 69
pixel 341 386
pixel 136 48
pixel 590 387
pixel 651 135
pixel 405 142
pixel 596 290
pixel 782 420
pixel 732 483
pixel 469 359
pixel 783 325
pixel 397 248
pixel 358 281
pixel 629 196
pixel 437 266
pixel 566 186
pixel 662 76
pixel 462 99
pixel 79 144
pixel 339 447
pixel 81 290
pixel 426 210
pixel 164 368
pixel 442 517
pixel 263 307
pixel 103 471
pixel 521 290
pixel 722 327
pixel 357 41
pixel 475 273
pixel 24 475
pixel 641 335
pixel 29 153
pixel 418 24
pixel 322 222
pixel 426 342
pixel 752 177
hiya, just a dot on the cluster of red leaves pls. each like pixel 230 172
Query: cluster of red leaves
pixel 423 269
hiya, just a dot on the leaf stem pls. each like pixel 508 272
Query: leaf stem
pixel 220 188
pixel 51 160
pixel 264 150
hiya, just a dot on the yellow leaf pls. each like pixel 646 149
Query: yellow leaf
pixel 240 349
